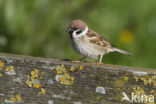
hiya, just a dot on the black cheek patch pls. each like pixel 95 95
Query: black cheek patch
pixel 78 32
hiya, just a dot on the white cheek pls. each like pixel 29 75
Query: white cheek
pixel 81 34
pixel 75 35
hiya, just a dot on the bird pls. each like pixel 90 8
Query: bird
pixel 88 43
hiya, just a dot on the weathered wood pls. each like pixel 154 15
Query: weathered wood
pixel 31 80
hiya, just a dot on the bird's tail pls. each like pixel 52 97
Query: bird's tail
pixel 122 51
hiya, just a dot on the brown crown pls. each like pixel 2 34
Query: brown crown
pixel 78 24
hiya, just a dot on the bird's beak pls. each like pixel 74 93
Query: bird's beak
pixel 68 29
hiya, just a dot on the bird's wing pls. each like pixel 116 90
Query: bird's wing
pixel 97 39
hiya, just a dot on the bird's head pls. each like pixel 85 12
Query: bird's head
pixel 77 27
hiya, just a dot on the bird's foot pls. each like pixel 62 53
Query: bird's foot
pixel 99 63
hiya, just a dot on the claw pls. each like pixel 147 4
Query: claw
pixel 100 63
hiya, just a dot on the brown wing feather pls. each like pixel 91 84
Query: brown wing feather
pixel 97 39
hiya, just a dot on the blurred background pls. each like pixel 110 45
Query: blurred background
pixel 37 28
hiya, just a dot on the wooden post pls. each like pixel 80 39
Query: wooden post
pixel 32 80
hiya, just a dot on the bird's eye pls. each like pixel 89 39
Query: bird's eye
pixel 74 29
pixel 78 32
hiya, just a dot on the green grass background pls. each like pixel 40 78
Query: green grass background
pixel 37 28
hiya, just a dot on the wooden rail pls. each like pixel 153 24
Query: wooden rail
pixel 32 80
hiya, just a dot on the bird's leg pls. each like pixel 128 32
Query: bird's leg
pixel 100 61
pixel 80 59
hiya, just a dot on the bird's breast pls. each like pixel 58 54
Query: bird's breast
pixel 83 47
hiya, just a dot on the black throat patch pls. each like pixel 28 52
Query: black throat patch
pixel 71 34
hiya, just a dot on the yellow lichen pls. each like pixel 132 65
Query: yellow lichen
pixel 80 68
pixel 15 99
pixel 10 69
pixel 34 76
pixel 125 78
pixel 61 78
pixel 65 78
pixel 154 83
pixel 119 83
pixel 71 69
pixel 91 75
pixel 137 90
pixel 38 85
pixel 41 77
pixel 1 75
pixel 60 69
pixel 43 91
pixel 43 72
pixel 152 91
pixel 102 100
pixel 136 78
pixel 97 98
pixel 1 65
pixel 29 81
pixel 18 98
pixel 147 80
pixel 33 80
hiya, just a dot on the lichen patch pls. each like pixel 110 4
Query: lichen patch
pixel 15 99
pixel 10 70
pixel 63 76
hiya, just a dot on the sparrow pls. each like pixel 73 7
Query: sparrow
pixel 88 43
